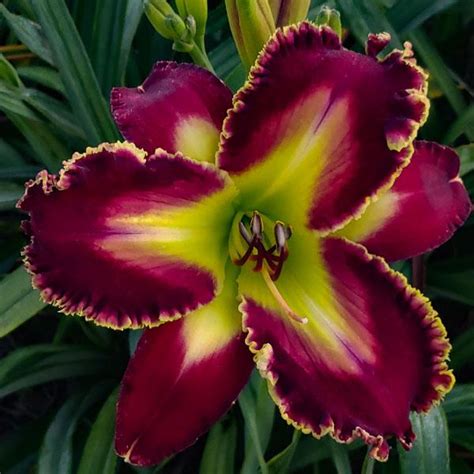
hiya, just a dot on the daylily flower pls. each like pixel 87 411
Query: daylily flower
pixel 251 223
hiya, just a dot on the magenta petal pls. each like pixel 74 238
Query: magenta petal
pixel 372 349
pixel 327 126
pixel 182 378
pixel 179 107
pixel 422 210
pixel 119 238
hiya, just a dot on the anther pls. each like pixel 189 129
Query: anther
pixel 275 256
pixel 245 233
pixel 269 262
pixel 282 234
pixel 256 224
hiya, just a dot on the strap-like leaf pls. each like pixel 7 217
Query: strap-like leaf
pixel 18 301
pixel 76 71
pixel 430 452
pixel 56 454
pixel 219 453
pixel 99 454
pixel 29 33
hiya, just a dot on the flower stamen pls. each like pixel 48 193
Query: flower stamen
pixel 268 261
pixel 279 298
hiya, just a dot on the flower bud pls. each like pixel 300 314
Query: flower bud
pixel 197 10
pixel 252 24
pixel 330 17
pixel 287 12
pixel 159 13
pixel 177 26
pixel 170 25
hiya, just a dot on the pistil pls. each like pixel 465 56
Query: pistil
pixel 281 301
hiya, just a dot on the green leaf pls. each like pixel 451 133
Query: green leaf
pixel 438 69
pixel 459 408
pixel 9 195
pixel 463 349
pixel 369 463
pixel 18 301
pixel 466 155
pixel 12 103
pixel 56 454
pixel 30 366
pixel 115 22
pixel 406 15
pixel 458 286
pixel 98 454
pixel 224 58
pixel 54 110
pixel 280 463
pixel 219 453
pixel 17 172
pixel 9 156
pixel 23 357
pixel 340 458
pixel 310 451
pixel 42 75
pixel 430 452
pixel 459 405
pixel 464 124
pixel 48 148
pixel 134 336
pixel 29 33
pixel 258 412
pixel 236 78
pixel 20 443
pixel 76 71
pixel 367 16
pixel 8 72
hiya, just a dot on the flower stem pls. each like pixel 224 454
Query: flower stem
pixel 200 57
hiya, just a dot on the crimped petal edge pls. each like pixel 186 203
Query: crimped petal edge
pixel 65 302
pixel 440 381
pixel 411 106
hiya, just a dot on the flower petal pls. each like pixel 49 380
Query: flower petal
pixel 422 210
pixel 373 348
pixel 183 377
pixel 179 107
pixel 128 241
pixel 318 130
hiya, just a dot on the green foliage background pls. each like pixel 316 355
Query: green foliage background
pixel 59 375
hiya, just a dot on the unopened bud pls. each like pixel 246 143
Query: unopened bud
pixel 287 12
pixel 191 25
pixel 177 26
pixel 252 24
pixel 329 17
pixel 158 13
pixel 197 9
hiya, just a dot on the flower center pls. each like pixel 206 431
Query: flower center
pixel 274 256
pixel 267 256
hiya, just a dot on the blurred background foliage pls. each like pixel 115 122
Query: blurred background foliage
pixel 59 375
